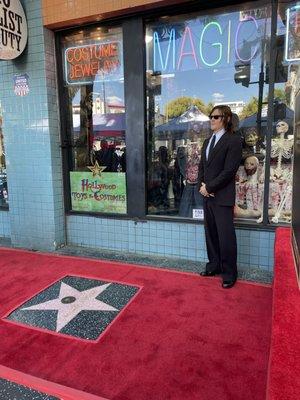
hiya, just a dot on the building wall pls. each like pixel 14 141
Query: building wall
pixel 31 130
pixel 62 13
pixel 167 239
pixel 4 224
pixel 32 142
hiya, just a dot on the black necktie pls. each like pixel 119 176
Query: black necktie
pixel 212 144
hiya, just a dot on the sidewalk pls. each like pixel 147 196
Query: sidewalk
pixel 251 274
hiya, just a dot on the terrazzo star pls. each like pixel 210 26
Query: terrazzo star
pixel 71 302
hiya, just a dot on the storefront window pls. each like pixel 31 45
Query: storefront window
pixel 3 181
pixel 287 84
pixel 95 114
pixel 194 62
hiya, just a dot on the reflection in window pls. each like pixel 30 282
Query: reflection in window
pixel 94 80
pixel 3 180
pixel 287 80
pixel 193 63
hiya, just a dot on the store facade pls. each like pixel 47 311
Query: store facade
pixel 102 151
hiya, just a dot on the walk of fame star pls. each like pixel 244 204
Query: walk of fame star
pixel 72 301
pixel 96 169
pixel 75 306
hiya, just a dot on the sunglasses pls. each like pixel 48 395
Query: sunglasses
pixel 215 116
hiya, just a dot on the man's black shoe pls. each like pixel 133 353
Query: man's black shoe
pixel 208 273
pixel 228 284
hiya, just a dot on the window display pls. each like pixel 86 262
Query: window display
pixel 194 62
pixel 249 189
pixel 3 180
pixel 94 85
pixel 191 198
pixel 287 80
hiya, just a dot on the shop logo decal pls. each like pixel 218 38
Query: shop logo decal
pixel 21 85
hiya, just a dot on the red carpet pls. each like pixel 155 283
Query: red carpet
pixel 284 369
pixel 182 337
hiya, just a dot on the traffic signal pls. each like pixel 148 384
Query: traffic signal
pixel 242 74
pixel 243 65
pixel 281 70
pixel 154 83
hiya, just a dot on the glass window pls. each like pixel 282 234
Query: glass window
pixel 196 61
pixel 287 84
pixel 95 113
pixel 3 180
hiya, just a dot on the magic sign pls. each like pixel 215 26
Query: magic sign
pixel 193 45
pixel 13 29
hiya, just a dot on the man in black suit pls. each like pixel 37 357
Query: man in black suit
pixel 220 158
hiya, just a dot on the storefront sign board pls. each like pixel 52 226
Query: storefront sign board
pixel 105 193
pixel 13 29
pixel 100 61
pixel 195 40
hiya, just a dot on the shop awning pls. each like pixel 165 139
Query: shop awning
pixel 251 121
pixel 177 127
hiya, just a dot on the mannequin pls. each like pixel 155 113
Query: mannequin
pixel 251 140
pixel 284 208
pixel 191 198
pixel 107 157
pixel 249 194
pixel 163 158
pixel 156 182
pixel 281 148
pixel 281 175
pixel 179 174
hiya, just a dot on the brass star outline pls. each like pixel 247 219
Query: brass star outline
pixel 96 169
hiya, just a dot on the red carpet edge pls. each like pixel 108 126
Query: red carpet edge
pixel 284 362
pixel 50 388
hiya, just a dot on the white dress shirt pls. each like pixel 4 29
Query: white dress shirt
pixel 218 135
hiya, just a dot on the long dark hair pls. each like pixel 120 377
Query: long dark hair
pixel 227 116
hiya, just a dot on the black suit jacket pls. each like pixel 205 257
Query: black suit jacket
pixel 218 172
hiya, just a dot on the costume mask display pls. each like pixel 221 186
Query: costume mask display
pixel 282 127
pixel 250 165
pixel 251 137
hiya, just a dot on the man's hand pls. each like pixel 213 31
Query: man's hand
pixel 204 192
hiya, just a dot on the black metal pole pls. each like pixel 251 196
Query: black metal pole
pixel 134 70
pixel 260 95
pixel 270 118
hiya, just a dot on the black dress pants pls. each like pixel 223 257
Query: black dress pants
pixel 220 239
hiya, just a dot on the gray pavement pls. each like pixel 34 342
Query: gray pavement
pixel 250 274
